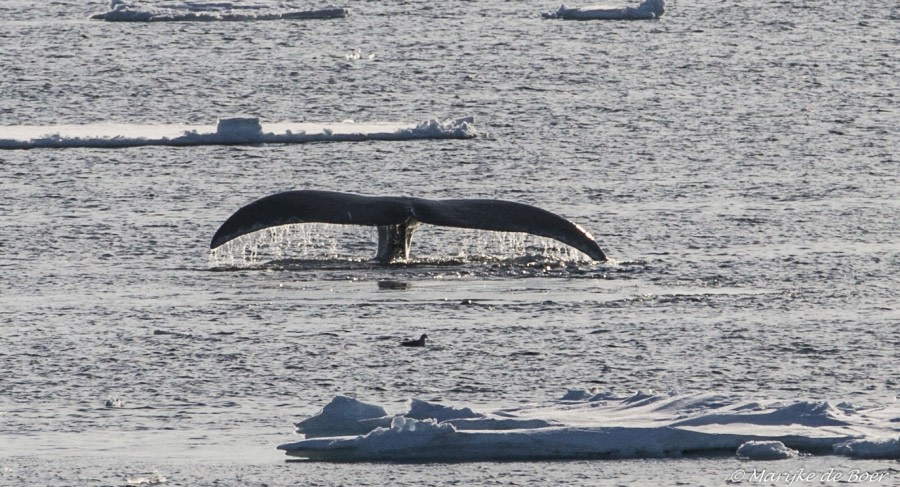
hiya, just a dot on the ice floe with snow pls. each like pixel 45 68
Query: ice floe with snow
pixel 648 9
pixel 878 448
pixel 766 450
pixel 187 11
pixel 586 424
pixel 227 131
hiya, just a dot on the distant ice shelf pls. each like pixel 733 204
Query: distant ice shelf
pixel 137 11
pixel 648 9
pixel 590 425
pixel 227 131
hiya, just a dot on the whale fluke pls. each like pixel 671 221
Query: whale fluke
pixel 397 217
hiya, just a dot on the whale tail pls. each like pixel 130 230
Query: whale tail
pixel 398 217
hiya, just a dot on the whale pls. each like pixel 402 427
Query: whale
pixel 397 217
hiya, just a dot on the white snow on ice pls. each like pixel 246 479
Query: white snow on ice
pixel 879 448
pixel 589 425
pixel 186 11
pixel 227 131
pixel 766 450
pixel 648 9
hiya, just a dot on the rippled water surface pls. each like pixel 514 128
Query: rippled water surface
pixel 737 160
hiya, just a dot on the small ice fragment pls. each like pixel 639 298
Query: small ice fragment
pixel 766 450
pixel 577 395
pixel 114 402
pixel 881 448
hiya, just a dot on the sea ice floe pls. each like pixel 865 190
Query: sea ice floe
pixel 146 479
pixel 344 416
pixel 642 425
pixel 135 11
pixel 227 131
pixel 419 409
pixel 766 450
pixel 114 402
pixel 648 9
pixel 886 448
pixel 577 395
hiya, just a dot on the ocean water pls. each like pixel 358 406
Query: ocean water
pixel 738 161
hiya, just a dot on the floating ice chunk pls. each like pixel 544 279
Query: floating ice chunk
pixel 401 423
pixel 419 409
pixel 431 441
pixel 121 11
pixel 227 131
pixel 577 395
pixel 344 416
pixel 639 426
pixel 881 448
pixel 147 479
pixel 648 9
pixel 459 128
pixel 766 450
pixel 114 402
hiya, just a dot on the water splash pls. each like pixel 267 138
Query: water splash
pixel 431 246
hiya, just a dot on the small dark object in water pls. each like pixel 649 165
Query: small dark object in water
pixel 393 285
pixel 415 343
